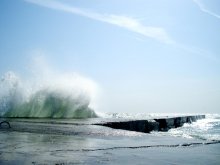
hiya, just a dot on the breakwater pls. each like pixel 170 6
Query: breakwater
pixel 146 126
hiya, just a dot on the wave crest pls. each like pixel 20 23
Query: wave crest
pixel 66 96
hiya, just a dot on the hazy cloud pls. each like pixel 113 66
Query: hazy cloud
pixel 204 9
pixel 125 22
pixel 199 52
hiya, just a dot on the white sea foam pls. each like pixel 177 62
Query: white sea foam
pixel 45 93
pixel 142 115
pixel 205 129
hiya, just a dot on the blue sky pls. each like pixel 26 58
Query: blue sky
pixel 146 55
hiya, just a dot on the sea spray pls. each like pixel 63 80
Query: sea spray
pixel 204 129
pixel 50 96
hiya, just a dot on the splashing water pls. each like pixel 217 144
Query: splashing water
pixel 54 96
pixel 204 129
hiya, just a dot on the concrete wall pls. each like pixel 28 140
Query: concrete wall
pixel 146 126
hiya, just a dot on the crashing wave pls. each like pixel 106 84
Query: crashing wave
pixel 64 97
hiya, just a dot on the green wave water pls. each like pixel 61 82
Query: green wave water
pixel 49 100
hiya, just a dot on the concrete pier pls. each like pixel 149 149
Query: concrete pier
pixel 146 126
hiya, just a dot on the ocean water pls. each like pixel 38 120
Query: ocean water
pixel 52 121
pixel 72 97
pixel 50 96
pixel 205 129
pixel 75 141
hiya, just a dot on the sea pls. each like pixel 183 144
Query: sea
pixel 54 122
pixel 77 141
pixel 207 129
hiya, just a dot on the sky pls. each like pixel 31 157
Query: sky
pixel 146 56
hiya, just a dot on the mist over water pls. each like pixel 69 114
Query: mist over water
pixel 46 94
